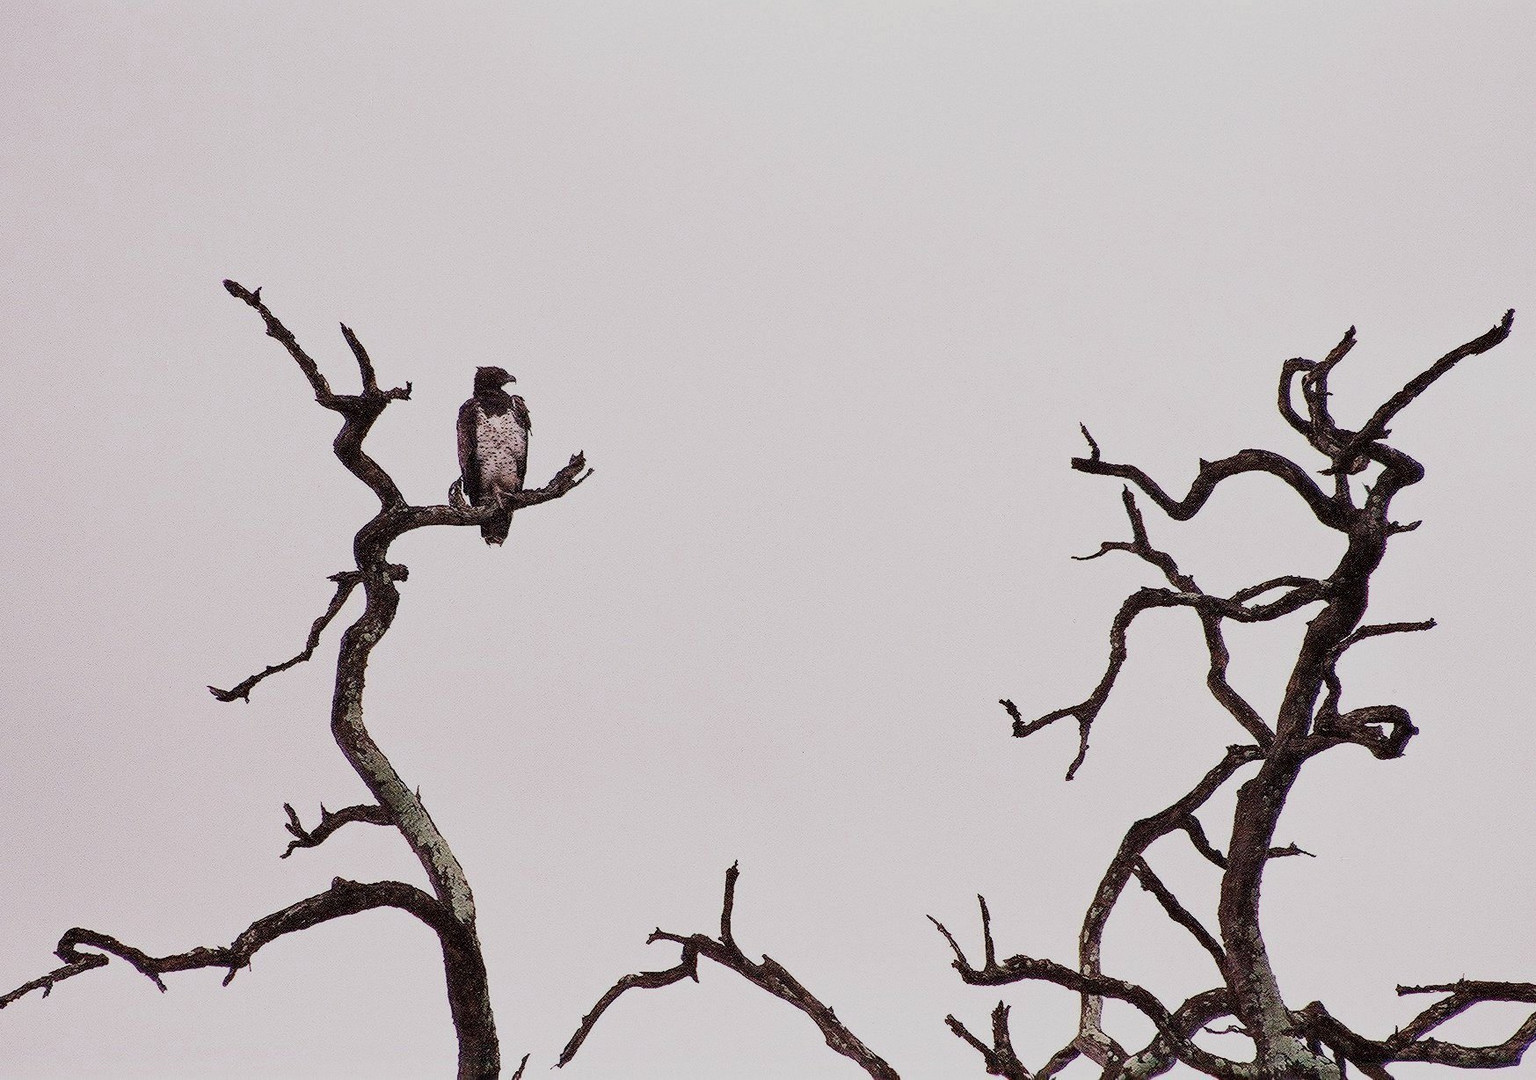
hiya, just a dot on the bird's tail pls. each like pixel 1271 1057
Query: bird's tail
pixel 495 530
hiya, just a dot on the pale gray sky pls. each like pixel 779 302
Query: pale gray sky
pixel 823 290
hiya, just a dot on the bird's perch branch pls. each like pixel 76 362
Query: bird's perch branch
pixel 458 511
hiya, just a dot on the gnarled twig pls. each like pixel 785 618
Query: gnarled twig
pixel 367 813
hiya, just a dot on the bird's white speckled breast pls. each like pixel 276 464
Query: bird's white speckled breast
pixel 502 448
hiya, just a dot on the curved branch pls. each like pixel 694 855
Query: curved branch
pixel 341 899
pixel 284 336
pixel 1201 843
pixel 1412 1042
pixel 1211 610
pixel 1161 1054
pixel 1213 473
pixel 686 968
pixel 1289 370
pixel 1384 730
pixel 1322 431
pixel 1138 838
pixel 1087 710
pixel 1222 690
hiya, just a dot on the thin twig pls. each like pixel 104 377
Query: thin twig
pixel 346 581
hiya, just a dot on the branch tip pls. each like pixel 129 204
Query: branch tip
pixel 1093 447
pixel 989 951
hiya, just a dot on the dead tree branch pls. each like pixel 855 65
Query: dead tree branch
pixel 1177 911
pixel 769 974
pixel 341 899
pixel 1000 1057
pixel 329 823
pixel 346 581
pixel 1413 1043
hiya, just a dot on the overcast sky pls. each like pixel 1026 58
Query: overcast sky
pixel 823 290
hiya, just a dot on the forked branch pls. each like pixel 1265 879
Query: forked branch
pixel 367 813
pixel 769 974
pixel 1412 1042
pixel 1000 1058
pixel 1020 968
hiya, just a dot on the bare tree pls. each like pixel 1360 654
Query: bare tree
pixel 1364 475
pixel 449 909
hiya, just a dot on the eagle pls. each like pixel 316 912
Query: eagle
pixel 493 447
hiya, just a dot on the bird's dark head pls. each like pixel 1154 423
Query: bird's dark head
pixel 490 379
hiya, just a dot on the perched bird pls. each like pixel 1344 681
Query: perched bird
pixel 493 447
